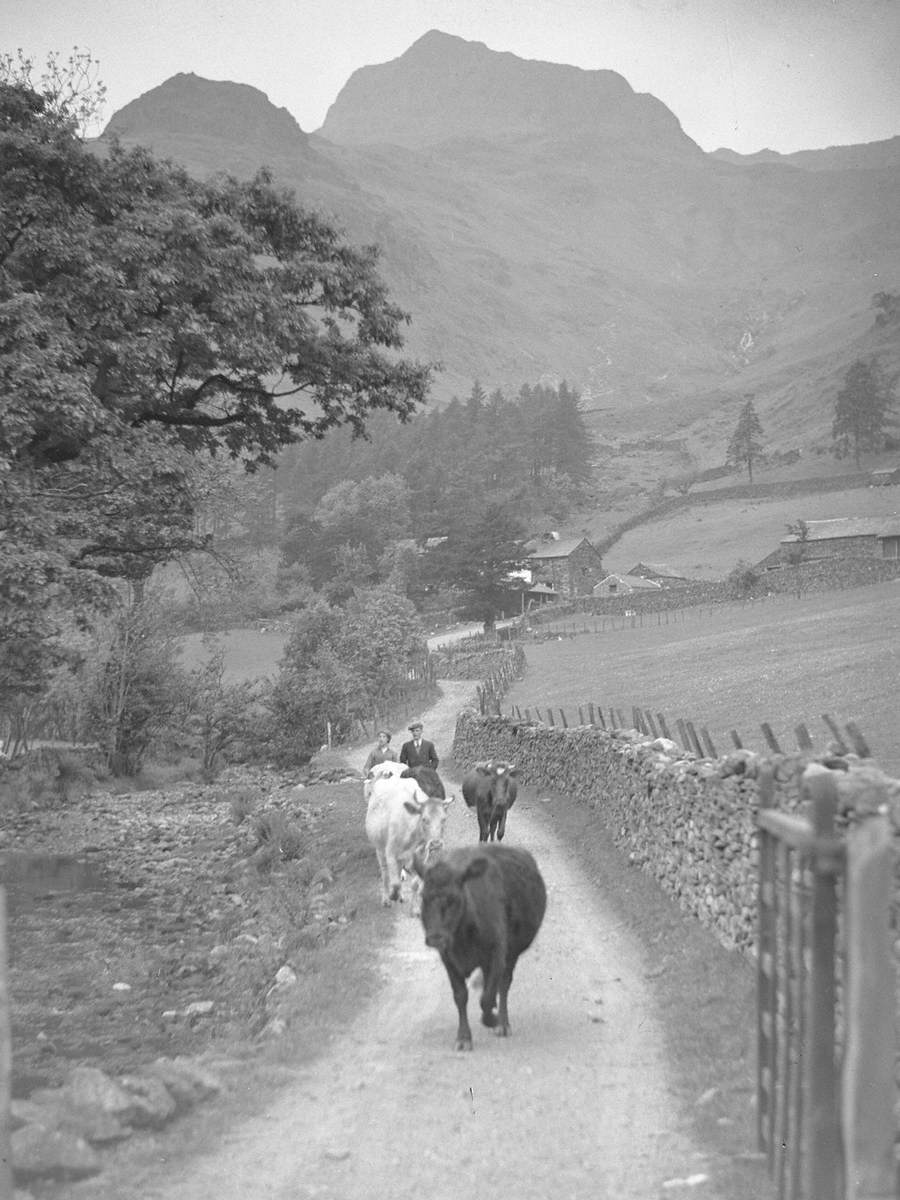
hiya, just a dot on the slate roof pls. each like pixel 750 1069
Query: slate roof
pixel 661 569
pixel 561 549
pixel 847 527
pixel 636 583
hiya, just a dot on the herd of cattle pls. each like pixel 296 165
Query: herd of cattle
pixel 480 906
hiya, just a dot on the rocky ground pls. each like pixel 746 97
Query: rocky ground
pixel 169 924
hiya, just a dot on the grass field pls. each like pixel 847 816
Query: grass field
pixel 706 540
pixel 727 667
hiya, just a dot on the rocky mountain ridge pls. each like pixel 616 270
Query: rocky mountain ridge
pixel 543 222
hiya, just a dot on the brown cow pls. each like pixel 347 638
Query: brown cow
pixel 481 907
pixel 491 789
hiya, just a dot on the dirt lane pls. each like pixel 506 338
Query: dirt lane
pixel 573 1105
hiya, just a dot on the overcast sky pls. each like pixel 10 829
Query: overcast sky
pixel 748 74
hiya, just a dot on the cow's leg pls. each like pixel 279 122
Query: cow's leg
pixel 493 978
pixel 502 1027
pixel 393 867
pixel 501 828
pixel 461 997
pixel 482 826
pixel 385 883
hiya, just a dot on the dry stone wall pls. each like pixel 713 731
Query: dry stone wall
pixel 690 822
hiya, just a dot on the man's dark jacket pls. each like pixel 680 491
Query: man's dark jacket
pixel 425 756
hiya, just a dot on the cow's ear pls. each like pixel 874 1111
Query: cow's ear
pixel 513 769
pixel 407 774
pixel 475 869
pixel 412 807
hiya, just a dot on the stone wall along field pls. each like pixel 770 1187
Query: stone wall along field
pixel 689 821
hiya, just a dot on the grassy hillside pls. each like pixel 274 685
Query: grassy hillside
pixel 705 540
pixel 783 661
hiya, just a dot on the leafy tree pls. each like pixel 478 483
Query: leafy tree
pixel 148 321
pixel 340 661
pixel 742 580
pixel 861 410
pixel 746 441
pixel 370 513
pixel 139 688
pixel 219 714
pixel 71 90
pixel 478 560
pixel 796 552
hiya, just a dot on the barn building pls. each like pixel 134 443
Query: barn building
pixel 841 537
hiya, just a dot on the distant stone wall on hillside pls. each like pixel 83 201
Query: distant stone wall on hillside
pixel 782 490
pixel 689 822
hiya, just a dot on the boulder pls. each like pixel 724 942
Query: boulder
pixel 90 1088
pixel 156 1105
pixel 186 1081
pixel 39 1152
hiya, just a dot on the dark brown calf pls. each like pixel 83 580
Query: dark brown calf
pixel 481 907
pixel 490 789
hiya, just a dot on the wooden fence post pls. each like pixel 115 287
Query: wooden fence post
pixel 695 741
pixel 770 737
pixel 868 1093
pixel 6 1171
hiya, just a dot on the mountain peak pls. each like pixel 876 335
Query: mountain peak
pixel 445 87
pixel 189 105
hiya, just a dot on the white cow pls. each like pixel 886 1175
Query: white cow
pixel 402 820
pixel 382 770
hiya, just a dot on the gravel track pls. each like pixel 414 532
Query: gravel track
pixel 573 1105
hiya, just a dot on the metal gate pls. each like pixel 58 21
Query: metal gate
pixel 826 1001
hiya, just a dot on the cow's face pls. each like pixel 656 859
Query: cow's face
pixel 442 905
pixel 443 900
pixel 432 820
pixel 503 786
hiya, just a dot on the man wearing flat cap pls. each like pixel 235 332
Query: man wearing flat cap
pixel 418 752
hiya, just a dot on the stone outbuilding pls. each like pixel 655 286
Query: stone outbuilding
pixel 872 537
pixel 625 585
pixel 660 573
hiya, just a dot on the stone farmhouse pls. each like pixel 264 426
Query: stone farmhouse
pixel 840 537
pixel 570 567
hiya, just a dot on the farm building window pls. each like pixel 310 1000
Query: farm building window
pixel 890 547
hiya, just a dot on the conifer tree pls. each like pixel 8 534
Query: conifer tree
pixel 746 441
pixel 861 410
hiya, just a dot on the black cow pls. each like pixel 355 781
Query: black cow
pixel 481 907
pixel 428 780
pixel 491 789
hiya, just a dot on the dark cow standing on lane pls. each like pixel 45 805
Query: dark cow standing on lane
pixel 481 907
pixel 491 789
